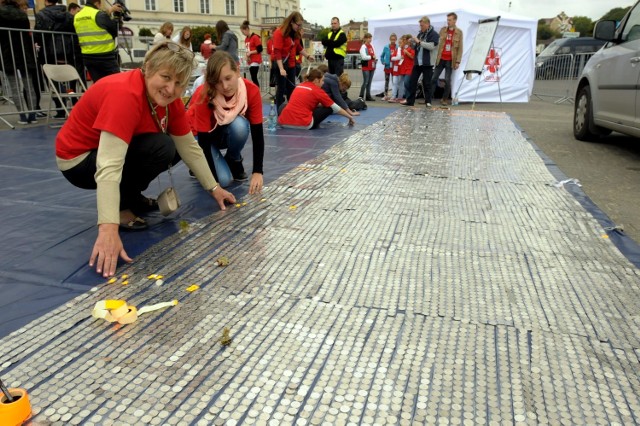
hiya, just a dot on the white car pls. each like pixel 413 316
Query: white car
pixel 608 91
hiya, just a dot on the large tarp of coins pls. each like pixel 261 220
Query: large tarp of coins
pixel 423 270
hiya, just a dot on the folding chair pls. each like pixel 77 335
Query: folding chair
pixel 62 74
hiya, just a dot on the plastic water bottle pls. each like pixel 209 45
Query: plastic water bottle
pixel 272 120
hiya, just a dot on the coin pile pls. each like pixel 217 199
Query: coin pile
pixel 429 273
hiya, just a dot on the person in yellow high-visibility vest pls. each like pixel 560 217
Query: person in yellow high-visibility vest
pixel 335 43
pixel 96 33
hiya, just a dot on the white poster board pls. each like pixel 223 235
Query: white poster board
pixel 481 45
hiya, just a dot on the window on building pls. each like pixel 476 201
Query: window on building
pixel 231 7
pixel 178 6
pixel 277 11
pixel 255 9
pixel 205 6
pixel 150 5
pixel 266 10
pixel 286 12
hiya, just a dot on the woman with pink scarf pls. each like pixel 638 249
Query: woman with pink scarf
pixel 223 112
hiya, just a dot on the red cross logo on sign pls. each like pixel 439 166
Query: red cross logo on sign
pixel 492 64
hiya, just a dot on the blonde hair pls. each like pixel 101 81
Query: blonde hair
pixel 186 42
pixel 180 60
pixel 165 27
pixel 345 81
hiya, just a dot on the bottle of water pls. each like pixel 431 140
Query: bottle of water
pixel 272 120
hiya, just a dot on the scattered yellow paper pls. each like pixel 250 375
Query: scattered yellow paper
pixel 192 288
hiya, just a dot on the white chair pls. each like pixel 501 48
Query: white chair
pixel 62 74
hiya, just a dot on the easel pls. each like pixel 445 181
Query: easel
pixel 482 45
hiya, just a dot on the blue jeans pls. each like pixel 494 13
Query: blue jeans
pixel 232 137
pixel 367 78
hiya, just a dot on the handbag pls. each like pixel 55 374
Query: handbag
pixel 168 200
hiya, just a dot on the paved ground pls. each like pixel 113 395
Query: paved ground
pixel 423 271
pixel 609 170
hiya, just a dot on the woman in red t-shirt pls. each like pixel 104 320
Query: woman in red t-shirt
pixel 369 59
pixel 253 46
pixel 285 50
pixel 408 55
pixel 126 130
pixel 223 112
pixel 303 112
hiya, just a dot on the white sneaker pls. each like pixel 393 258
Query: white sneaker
pixel 428 104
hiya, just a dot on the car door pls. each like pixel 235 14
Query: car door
pixel 618 74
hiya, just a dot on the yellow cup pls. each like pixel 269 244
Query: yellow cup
pixel 16 412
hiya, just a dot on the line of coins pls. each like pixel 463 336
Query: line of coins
pixel 463 289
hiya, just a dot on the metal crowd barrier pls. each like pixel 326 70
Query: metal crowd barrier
pixel 22 82
pixel 556 76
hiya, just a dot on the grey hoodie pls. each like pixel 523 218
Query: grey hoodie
pixel 332 88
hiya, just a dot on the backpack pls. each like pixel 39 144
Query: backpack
pixel 357 105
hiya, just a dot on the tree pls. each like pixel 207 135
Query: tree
pixel 322 33
pixel 197 35
pixel 583 25
pixel 145 32
pixel 616 13
pixel 545 32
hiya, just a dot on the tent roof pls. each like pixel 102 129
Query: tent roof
pixel 459 7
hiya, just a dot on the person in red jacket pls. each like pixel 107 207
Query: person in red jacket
pixel 253 46
pixel 369 59
pixel 223 112
pixel 207 47
pixel 303 112
pixel 408 54
pixel 285 50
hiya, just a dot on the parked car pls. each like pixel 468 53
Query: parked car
pixel 607 94
pixel 564 58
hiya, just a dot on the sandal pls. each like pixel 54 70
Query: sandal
pixel 136 224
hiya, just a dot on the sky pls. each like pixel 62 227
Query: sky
pixel 317 12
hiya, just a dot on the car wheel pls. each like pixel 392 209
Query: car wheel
pixel 583 127
pixel 583 116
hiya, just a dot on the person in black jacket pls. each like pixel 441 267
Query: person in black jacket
pixel 18 58
pixel 58 42
pixel 335 43
pixel 425 45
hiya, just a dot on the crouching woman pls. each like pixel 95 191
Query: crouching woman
pixel 303 111
pixel 224 111
pixel 126 130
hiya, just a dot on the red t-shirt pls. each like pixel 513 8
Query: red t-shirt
pixel 407 63
pixel 448 45
pixel 371 64
pixel 285 49
pixel 202 119
pixel 395 65
pixel 304 99
pixel 270 51
pixel 252 42
pixel 116 104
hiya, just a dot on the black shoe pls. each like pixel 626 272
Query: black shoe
pixel 59 116
pixel 370 100
pixel 380 95
pixel 40 115
pixel 237 169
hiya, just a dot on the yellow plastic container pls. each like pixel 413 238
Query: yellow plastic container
pixel 15 413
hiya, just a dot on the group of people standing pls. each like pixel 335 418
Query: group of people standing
pixel 427 54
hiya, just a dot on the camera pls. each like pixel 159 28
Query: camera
pixel 125 15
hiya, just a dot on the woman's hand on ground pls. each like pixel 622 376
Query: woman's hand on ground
pixel 222 195
pixel 255 184
pixel 107 249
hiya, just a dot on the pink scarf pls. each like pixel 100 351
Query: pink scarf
pixel 225 111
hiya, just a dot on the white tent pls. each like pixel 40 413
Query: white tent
pixel 514 46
